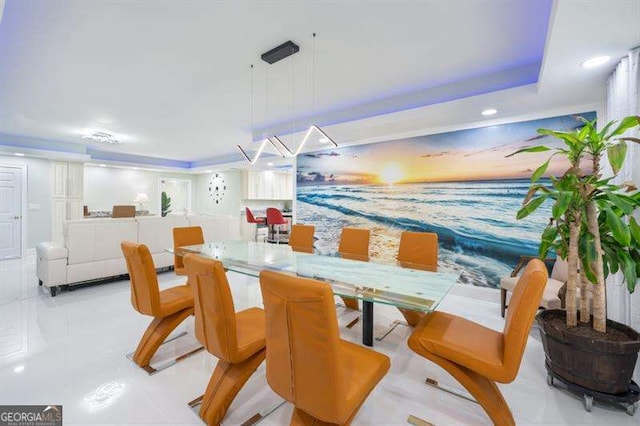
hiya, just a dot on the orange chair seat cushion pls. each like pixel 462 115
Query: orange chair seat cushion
pixel 461 341
pixel 175 299
pixel 362 369
pixel 250 328
pixel 180 270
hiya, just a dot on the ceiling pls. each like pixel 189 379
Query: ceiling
pixel 173 80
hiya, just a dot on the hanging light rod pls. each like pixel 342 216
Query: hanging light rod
pixel 304 140
pixel 262 146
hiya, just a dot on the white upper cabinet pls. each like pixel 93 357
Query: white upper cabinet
pixel 58 179
pixel 267 185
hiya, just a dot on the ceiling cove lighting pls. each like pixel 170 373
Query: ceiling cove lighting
pixel 102 137
pixel 489 111
pixel 594 62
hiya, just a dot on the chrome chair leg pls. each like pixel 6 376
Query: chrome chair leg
pixel 169 363
pixel 450 389
pixel 389 329
pixel 258 417
pixel 416 421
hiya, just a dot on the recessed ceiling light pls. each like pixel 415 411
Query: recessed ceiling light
pixel 18 154
pixel 134 168
pixel 489 111
pixel 208 171
pixel 323 140
pixel 594 62
pixel 102 137
pixel 105 121
pixel 19 369
pixel 270 164
pixel 103 165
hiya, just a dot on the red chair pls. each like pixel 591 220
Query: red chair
pixel 260 222
pixel 274 220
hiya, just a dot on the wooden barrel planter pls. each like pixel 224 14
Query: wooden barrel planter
pixel 600 362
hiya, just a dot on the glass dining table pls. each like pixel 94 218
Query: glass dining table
pixel 370 282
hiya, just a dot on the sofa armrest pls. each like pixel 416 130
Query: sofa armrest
pixel 52 250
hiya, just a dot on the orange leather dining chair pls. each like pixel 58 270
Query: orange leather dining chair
pixel 478 356
pixel 167 307
pixel 354 244
pixel 185 236
pixel 237 339
pixel 301 238
pixel 417 250
pixel 326 378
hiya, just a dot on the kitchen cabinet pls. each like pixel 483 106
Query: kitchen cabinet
pixel 267 185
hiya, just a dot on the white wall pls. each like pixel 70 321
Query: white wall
pixel 231 203
pixel 105 187
pixel 38 197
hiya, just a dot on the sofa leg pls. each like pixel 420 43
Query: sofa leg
pixel 503 301
pixel 53 291
pixel 39 282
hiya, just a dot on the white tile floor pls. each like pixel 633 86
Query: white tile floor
pixel 59 350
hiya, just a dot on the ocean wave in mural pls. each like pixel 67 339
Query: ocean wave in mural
pixel 457 184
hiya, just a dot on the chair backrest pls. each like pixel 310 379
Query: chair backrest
pixel 419 250
pixel 301 238
pixel 303 345
pixel 145 295
pixel 185 236
pixel 250 217
pixel 354 243
pixel 215 323
pixel 523 306
pixel 123 211
pixel 274 217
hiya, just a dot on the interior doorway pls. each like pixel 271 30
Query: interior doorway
pixel 177 196
pixel 12 220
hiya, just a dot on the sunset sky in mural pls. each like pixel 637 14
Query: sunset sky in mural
pixel 474 154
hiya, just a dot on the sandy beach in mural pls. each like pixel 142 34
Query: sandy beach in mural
pixel 457 184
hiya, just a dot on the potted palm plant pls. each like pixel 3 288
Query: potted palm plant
pixel 593 228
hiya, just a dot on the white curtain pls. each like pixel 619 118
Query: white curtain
pixel 623 99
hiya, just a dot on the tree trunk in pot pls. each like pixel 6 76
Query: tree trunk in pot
pixel 572 279
pixel 585 309
pixel 599 302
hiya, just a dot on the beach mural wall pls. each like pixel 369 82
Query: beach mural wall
pixel 457 184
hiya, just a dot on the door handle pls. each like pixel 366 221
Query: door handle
pixel 16 217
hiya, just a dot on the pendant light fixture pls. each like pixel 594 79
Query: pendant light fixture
pixel 265 141
pixel 312 128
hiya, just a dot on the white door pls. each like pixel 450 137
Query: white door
pixel 10 212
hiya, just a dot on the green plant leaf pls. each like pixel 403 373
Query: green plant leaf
pixel 619 229
pixel 540 170
pixel 531 206
pixel 588 256
pixel 625 124
pixel 548 238
pixel 621 203
pixel 617 154
pixel 628 269
pixel 634 228
pixel 561 204
pixel 537 148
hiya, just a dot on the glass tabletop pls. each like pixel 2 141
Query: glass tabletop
pixel 376 282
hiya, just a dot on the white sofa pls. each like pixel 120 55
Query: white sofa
pixel 91 248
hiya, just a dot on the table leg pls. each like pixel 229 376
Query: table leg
pixel 367 323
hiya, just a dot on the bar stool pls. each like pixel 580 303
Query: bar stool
pixel 185 236
pixel 274 221
pixel 237 339
pixel 326 378
pixel 354 244
pixel 167 307
pixel 477 356
pixel 417 250
pixel 301 238
pixel 259 222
